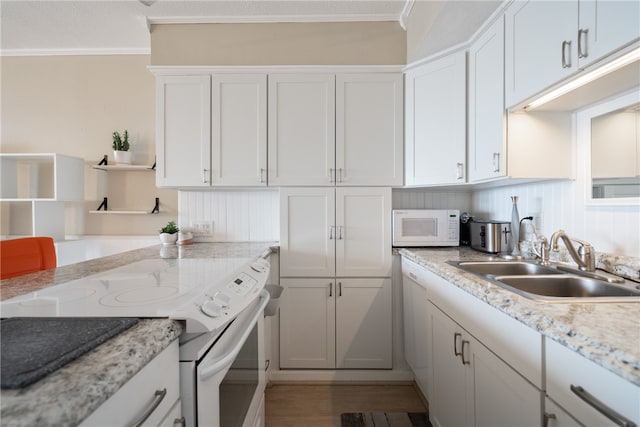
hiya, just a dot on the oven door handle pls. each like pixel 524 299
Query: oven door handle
pixel 219 363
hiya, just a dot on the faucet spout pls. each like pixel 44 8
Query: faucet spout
pixel 584 256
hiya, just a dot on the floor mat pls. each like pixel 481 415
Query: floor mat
pixel 385 419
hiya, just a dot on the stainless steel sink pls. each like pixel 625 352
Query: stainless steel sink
pixel 548 283
pixel 505 268
pixel 567 286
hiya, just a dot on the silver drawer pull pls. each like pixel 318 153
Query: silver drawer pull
pixel 456 335
pixel 180 422
pixel 599 406
pixel 413 276
pixel 157 399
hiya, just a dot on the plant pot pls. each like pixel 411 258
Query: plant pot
pixel 168 239
pixel 122 157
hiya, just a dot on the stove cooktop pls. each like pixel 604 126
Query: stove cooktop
pixel 207 293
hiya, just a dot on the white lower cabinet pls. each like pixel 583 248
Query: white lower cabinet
pixel 335 323
pixel 555 416
pixel 147 399
pixel 591 394
pixel 417 326
pixel 474 387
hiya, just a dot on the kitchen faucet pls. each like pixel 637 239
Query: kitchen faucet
pixel 584 256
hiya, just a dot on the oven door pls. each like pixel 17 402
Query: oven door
pixel 230 379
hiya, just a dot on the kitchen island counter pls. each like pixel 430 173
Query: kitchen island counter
pixel 73 392
pixel 605 333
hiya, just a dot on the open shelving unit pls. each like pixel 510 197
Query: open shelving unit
pixel 103 208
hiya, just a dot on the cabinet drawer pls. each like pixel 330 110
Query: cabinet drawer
pixel 130 403
pixel 565 368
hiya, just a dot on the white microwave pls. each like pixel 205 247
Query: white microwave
pixel 426 227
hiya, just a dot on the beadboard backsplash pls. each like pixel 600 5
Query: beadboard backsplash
pixel 237 216
pixel 560 205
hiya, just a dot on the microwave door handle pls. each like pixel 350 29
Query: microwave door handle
pixel 219 363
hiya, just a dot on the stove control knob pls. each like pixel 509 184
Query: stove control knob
pixel 211 309
pixel 222 299
pixel 260 265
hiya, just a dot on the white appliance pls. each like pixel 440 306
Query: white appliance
pixel 221 300
pixel 426 227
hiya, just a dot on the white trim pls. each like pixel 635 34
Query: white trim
pixel 160 70
pixel 258 19
pixel 76 52
pixel 498 13
pixel 406 11
pixel 437 55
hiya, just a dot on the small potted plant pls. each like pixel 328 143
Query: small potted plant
pixel 169 233
pixel 121 148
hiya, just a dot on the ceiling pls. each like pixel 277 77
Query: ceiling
pixel 122 26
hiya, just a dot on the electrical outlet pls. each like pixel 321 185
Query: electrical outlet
pixel 203 228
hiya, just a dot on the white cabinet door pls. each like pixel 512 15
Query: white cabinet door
pixel 369 144
pixel 487 117
pixel 363 232
pixel 502 398
pixel 451 404
pixel 239 130
pixel 417 332
pixel 540 46
pixel 307 324
pixel 363 324
pixel 183 131
pixel 436 122
pixel 301 129
pixel 307 245
pixel 605 26
pixel 555 416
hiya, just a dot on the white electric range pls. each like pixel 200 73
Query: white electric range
pixel 221 301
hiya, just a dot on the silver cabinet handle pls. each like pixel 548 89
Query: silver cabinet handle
pixel 157 399
pixel 455 344
pixel 261 176
pixel 459 170
pixel 465 362
pixel 340 175
pixel 546 418
pixel 331 232
pixel 413 276
pixel 180 422
pixel 204 175
pixel 566 59
pixel 331 289
pixel 340 232
pixel 332 173
pixel 496 162
pixel 339 289
pixel 583 48
pixel 601 407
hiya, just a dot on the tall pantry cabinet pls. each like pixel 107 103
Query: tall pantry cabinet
pixel 335 252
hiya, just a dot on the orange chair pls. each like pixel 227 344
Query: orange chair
pixel 26 255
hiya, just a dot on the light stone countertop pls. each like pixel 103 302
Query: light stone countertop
pixel 605 333
pixel 73 392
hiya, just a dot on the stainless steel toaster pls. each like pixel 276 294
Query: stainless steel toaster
pixel 490 236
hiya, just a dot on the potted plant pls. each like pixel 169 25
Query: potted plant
pixel 121 148
pixel 169 233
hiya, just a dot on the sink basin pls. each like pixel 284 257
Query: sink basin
pixel 567 286
pixel 505 268
pixel 549 284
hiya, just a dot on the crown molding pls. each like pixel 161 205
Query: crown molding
pixel 75 52
pixel 406 11
pixel 258 19
pixel 168 70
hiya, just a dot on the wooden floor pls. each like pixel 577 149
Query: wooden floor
pixel 321 405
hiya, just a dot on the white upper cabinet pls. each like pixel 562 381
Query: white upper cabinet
pixel 239 130
pixel 183 131
pixel 369 129
pixel 547 41
pixel 540 46
pixel 301 129
pixel 211 130
pixel 486 105
pixel 436 122
pixel 606 25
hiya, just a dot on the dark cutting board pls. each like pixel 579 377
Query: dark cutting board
pixel 32 348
